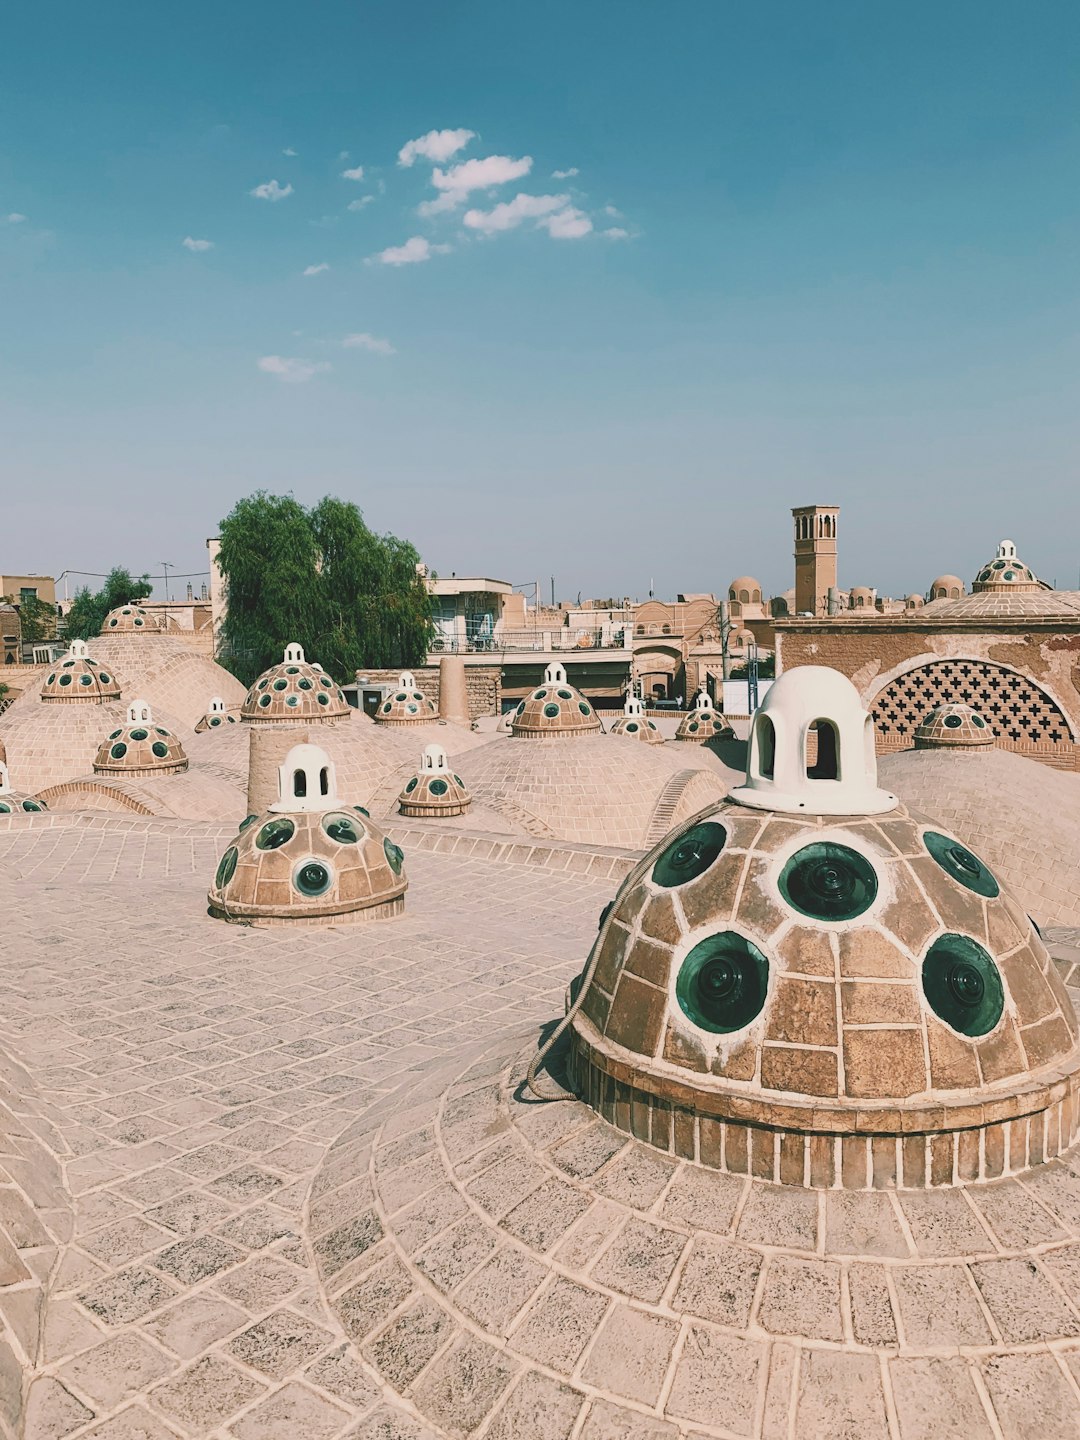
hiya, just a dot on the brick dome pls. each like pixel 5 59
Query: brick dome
pixel 296 689
pixel 130 620
pixel 434 790
pixel 309 859
pixel 703 723
pixel 1006 572
pixel 826 974
pixel 15 802
pixel 953 725
pixel 635 724
pixel 216 717
pixel 78 679
pixel 406 705
pixel 554 709
pixel 140 747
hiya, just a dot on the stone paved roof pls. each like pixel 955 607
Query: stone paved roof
pixel 283 1192
pixel 1020 817
pixel 1036 603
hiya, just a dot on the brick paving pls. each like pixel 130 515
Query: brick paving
pixel 194 1074
pixel 288 1189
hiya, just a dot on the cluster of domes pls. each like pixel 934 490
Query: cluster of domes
pixel 216 716
pixel 703 722
pixel 79 679
pixel 634 723
pixel 140 747
pixel 406 705
pixel 434 790
pixel 130 620
pixel 953 724
pixel 807 958
pixel 1006 572
pixel 555 709
pixel 309 858
pixel 13 801
pixel 294 690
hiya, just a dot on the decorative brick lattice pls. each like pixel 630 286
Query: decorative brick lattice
pixel 1021 715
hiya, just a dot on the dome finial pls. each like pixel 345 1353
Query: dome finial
pixel 781 773
pixel 307 781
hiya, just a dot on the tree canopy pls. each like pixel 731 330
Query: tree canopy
pixel 353 599
pixel 89 608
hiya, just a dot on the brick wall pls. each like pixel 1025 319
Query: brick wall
pixel 482 685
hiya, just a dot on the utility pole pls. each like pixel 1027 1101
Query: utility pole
pixel 165 566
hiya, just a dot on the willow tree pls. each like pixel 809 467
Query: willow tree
pixel 353 599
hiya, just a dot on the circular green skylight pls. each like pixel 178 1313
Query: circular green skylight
pixel 722 983
pixel 690 855
pixel 226 868
pixel 275 833
pixel 829 881
pixel 963 985
pixel 958 861
pixel 313 878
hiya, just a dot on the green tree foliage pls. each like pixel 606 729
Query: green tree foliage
pixel 766 669
pixel 37 618
pixel 89 608
pixel 320 577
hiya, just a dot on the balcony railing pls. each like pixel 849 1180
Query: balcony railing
pixel 538 640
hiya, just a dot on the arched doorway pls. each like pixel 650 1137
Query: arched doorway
pixel 1021 714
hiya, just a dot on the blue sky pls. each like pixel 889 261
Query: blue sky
pixel 807 253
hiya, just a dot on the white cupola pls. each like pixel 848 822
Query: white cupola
pixel 633 705
pixel 841 779
pixel 139 713
pixel 433 761
pixel 555 674
pixel 307 781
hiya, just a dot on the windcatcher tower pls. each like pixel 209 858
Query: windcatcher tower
pixel 815 556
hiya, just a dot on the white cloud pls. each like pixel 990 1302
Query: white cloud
pixel 271 191
pixel 291 371
pixel 359 204
pixel 509 215
pixel 196 246
pixel 565 174
pixel 613 212
pixel 368 342
pixel 569 224
pixel 15 218
pixel 316 269
pixel 457 182
pixel 412 252
pixel 357 173
pixel 436 146
pixel 290 152
pixel 615 232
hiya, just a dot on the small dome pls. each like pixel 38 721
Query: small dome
pixel 860 597
pixel 297 689
pixel 130 620
pixel 1005 572
pixel 745 590
pixel 947 587
pixel 952 724
pixel 15 802
pixel 140 747
pixel 556 708
pixel 309 859
pixel 635 724
pixel 216 716
pixel 914 602
pixel 703 723
pixel 406 705
pixel 77 679
pixel 434 790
